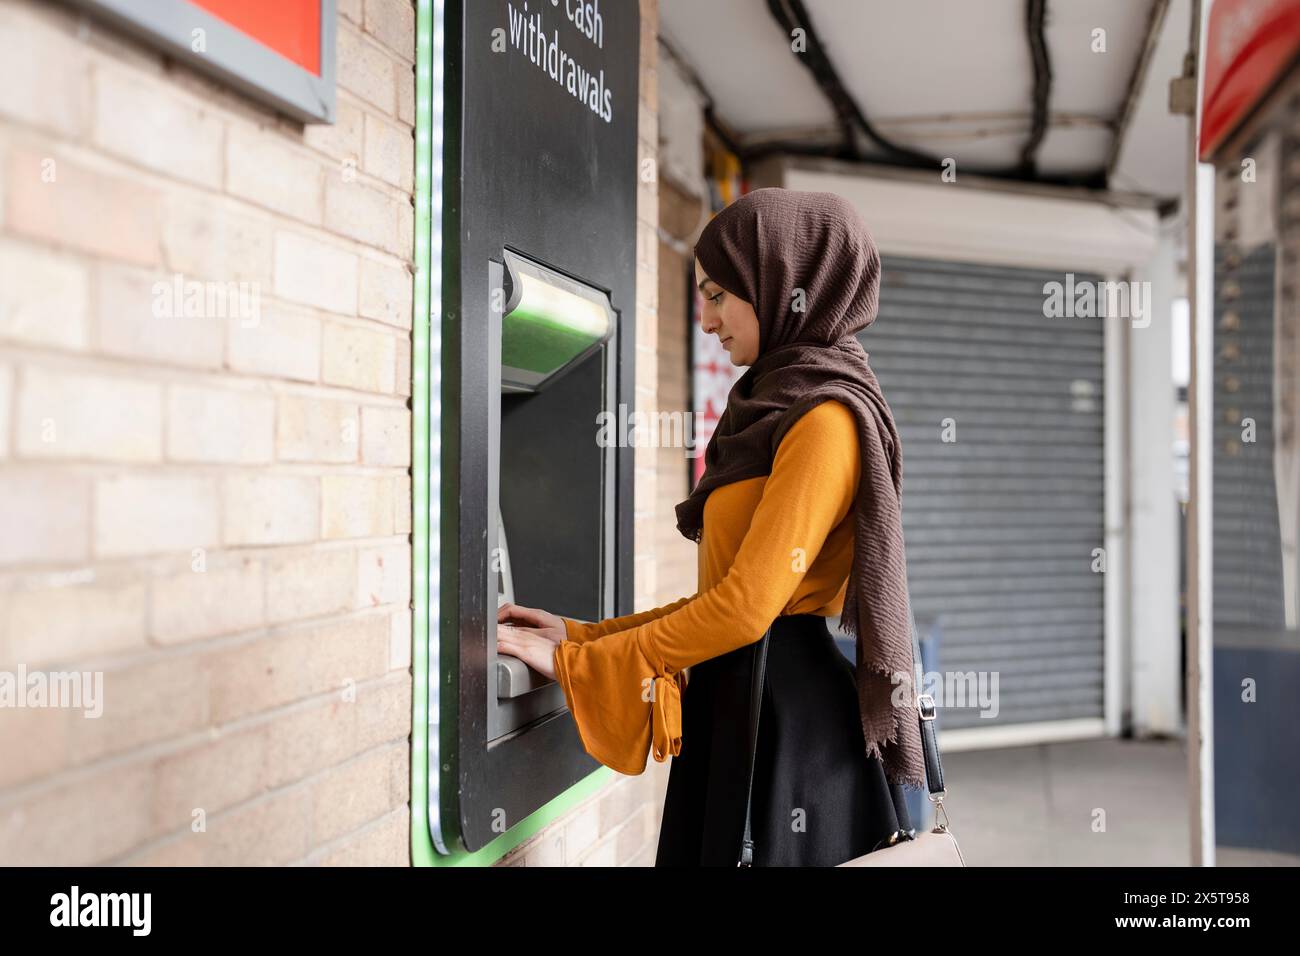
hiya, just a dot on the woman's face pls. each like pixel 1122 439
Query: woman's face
pixel 730 317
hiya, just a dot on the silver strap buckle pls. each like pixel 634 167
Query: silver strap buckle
pixel 924 703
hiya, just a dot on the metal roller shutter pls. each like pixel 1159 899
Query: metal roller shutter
pixel 1000 524
pixel 1247 538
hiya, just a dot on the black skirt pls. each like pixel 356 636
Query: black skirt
pixel 818 799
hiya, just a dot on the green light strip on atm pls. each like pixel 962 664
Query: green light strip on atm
pixel 549 327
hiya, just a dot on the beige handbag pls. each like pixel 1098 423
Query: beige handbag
pixel 936 847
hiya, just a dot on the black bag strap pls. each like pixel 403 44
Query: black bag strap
pixel 755 709
pixel 925 715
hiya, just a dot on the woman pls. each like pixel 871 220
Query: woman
pixel 798 519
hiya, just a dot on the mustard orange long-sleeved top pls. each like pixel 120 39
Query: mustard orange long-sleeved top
pixel 777 544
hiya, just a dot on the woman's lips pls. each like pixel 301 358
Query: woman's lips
pixel 725 341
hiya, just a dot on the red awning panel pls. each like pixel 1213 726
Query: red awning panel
pixel 1249 46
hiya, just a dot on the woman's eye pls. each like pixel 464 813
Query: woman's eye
pixel 715 297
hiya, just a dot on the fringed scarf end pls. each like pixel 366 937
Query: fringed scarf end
pixel 889 725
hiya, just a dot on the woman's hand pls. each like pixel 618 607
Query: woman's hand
pixel 534 646
pixel 530 617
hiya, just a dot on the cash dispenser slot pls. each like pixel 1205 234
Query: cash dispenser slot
pixel 552 359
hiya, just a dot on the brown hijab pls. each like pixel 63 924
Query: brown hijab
pixel 809 267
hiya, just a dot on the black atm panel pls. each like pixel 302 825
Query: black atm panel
pixel 531 171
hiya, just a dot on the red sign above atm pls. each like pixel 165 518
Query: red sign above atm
pixel 281 52
pixel 289 27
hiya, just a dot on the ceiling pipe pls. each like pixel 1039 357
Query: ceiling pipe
pixel 1035 16
pixel 791 15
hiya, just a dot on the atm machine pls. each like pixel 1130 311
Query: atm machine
pixel 536 242
pixel 543 506
pixel 552 374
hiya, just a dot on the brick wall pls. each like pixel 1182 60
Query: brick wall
pixel 681 216
pixel 619 825
pixel 213 512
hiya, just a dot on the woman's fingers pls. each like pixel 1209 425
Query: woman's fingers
pixel 516 612
pixel 553 634
pixel 530 617
pixel 537 652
